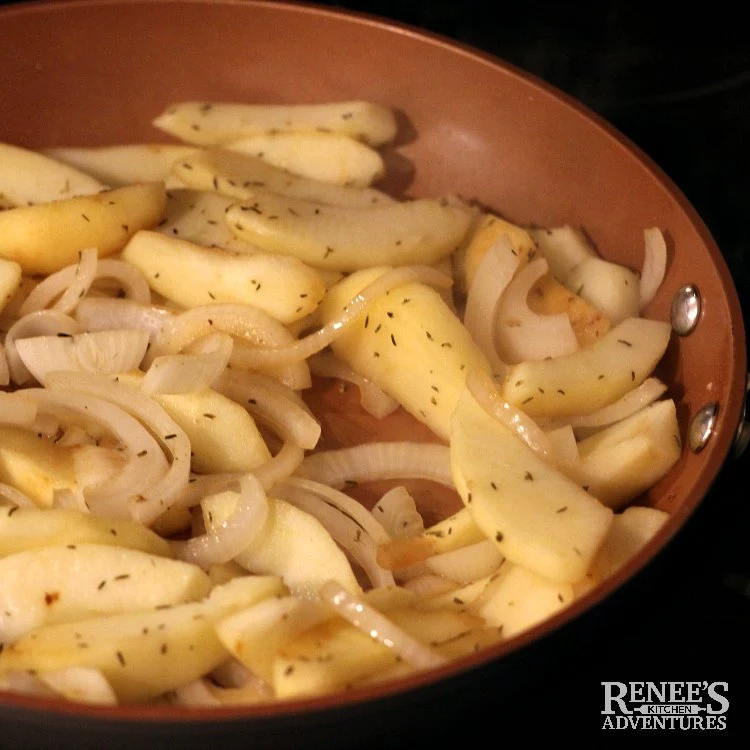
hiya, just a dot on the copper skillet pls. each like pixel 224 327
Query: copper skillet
pixel 97 72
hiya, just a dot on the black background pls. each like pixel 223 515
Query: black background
pixel 676 81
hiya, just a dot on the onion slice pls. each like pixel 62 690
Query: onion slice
pixel 522 334
pixel 185 373
pixel 654 265
pixel 223 542
pixel 97 351
pixel 494 273
pixel 373 399
pixel 487 396
pixel 160 495
pixel 39 323
pixel 372 461
pixel 379 627
pixel 398 513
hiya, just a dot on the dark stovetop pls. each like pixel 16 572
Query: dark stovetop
pixel 678 85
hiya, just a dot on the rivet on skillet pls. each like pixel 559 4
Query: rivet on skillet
pixel 702 426
pixel 685 309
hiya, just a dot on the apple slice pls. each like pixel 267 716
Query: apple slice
pixel 127 163
pixel 143 653
pixel 49 236
pixel 243 176
pixel 280 285
pixel 28 177
pixel 29 528
pixel 589 378
pixel 539 518
pixel 293 544
pixel 217 122
pixel 347 239
pixel 329 157
pixel 34 464
pixel 46 585
pixel 410 344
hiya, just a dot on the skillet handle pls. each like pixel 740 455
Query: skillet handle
pixel 742 438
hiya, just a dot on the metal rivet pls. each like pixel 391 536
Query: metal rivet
pixel 702 426
pixel 685 309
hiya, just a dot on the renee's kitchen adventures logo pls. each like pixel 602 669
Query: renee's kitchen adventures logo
pixel 665 705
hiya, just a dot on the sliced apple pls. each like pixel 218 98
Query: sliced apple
pixel 223 435
pixel 254 635
pixel 144 653
pixel 243 176
pixel 333 654
pixel 127 163
pixel 217 122
pixel 410 344
pixel 293 544
pixel 620 462
pixel 517 599
pixel 30 528
pixel 49 236
pixel 590 378
pixel 348 239
pixel 539 518
pixel 280 285
pixel 198 216
pixel 34 464
pixel 329 157
pixel 28 177
pixel 46 585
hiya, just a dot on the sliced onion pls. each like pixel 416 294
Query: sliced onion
pixel 224 541
pixel 185 373
pixel 251 327
pixel 373 461
pixel 348 505
pixel 103 313
pixel 201 486
pixel 98 351
pixel 487 396
pixel 522 334
pixel 654 265
pixel 274 354
pixel 494 273
pixel 41 323
pixel 76 280
pixel 159 495
pixel 398 513
pixel 379 627
pixel 345 532
pixel 146 463
pixel 272 402
pixel 373 399
pixel 633 401
pixel 281 466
